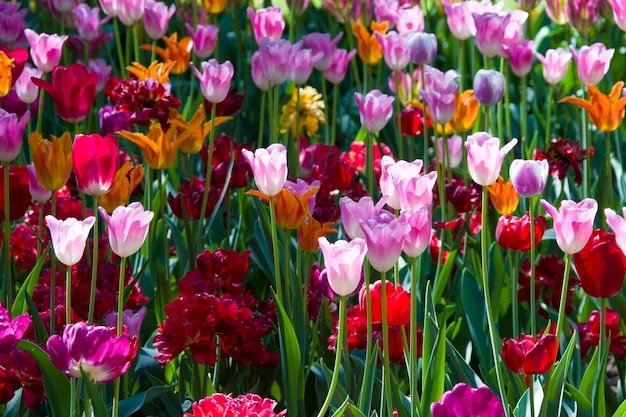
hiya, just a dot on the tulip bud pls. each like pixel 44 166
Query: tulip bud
pixel 489 87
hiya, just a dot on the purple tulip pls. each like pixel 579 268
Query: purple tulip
pixel 344 263
pixel 422 48
pixel 12 22
pixel 489 87
pixel 275 59
pixel 321 43
pixel 132 321
pixel 352 212
pixel 258 73
pixel 490 30
pixel 156 18
pixel 214 79
pixel 529 177
pixel 455 150
pixel 385 236
pixel 337 70
pixel 573 223
pixel 395 48
pixel 11 133
pixel 88 21
pixel 375 110
pixel 267 23
pixel 521 57
pixel 204 39
pixel 302 63
pixel 11 331
pixel 440 91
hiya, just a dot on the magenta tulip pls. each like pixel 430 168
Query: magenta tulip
pixel 267 23
pixel 484 157
pixel 275 59
pixel 12 331
pixel 529 177
pixel 573 223
pixel 337 70
pixel 593 62
pixel 490 30
pixel 439 91
pixel 418 239
pixel 128 228
pixel 521 57
pixel 94 158
pixel 410 19
pixel 354 211
pixel 344 263
pixel 395 49
pixel 156 18
pixel 375 110
pixel 269 167
pixel 321 43
pixel 11 132
pixel 214 79
pixel 69 237
pixel 131 321
pixel 204 39
pixel 88 21
pixel 619 13
pixel 302 63
pixel 385 236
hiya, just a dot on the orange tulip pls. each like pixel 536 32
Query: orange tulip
pixel 309 231
pixel 127 178
pixel 465 114
pixel 503 196
pixel 6 77
pixel 214 6
pixel 52 159
pixel 291 208
pixel 605 112
pixel 159 71
pixel 179 52
pixel 159 148
pixel 370 50
pixel 197 131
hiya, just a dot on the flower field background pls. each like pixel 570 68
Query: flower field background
pixel 310 208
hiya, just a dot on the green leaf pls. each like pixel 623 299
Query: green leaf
pixel 583 404
pixel 554 394
pixel 55 383
pixel 367 389
pixel 163 293
pixel 459 369
pixel 41 335
pixel 13 407
pixel 97 403
pixel 133 404
pixel 20 306
pixel 435 370
pixel 621 411
pixel 442 280
pixel 342 408
pixel 475 313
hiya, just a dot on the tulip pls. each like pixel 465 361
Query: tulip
pixel 440 92
pixel 39 194
pixel 131 321
pixel 557 11
pixel 204 39
pixel 352 212
pixel 337 70
pixel 395 48
pixel 521 57
pixel 529 177
pixel 455 150
pixel 593 62
pixel 490 32
pixel 94 158
pixel 128 228
pixel 370 49
pixel 52 160
pixel 375 110
pixel 410 19
pixel 18 191
pixel 582 15
pixel 45 50
pixel 156 18
pixel 619 13
pixel 11 132
pixel 258 73
pixel 214 79
pixel 460 19
pixel 159 148
pixel 321 43
pixel 292 204
pixel 175 50
pixel 301 67
pixel 465 112
pixel 573 223
pixel 554 64
pixel 398 303
pixel 214 6
pixel 513 30
pixel 12 331
pixel 606 112
pixel 6 76
pixel 416 191
pixel 503 196
pixel 385 237
pixel 418 239
pixel 618 225
pixel 601 264
pixel 475 402
pixel 73 90
pixel 69 237
pixel 131 11
pixel 127 178
pixel 386 10
pixel 94 350
pixel 344 263
pixel 275 59
pixel 528 355
pixel 484 157
pixel 489 87
pixel 310 231
pixel 26 90
pixel 12 21
pixel 422 48
pixel 102 70
pixel 514 232
pixel 391 172
pixel 269 167
pixel 110 8
pixel 267 23
pixel 88 21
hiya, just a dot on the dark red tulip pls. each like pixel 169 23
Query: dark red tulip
pixel 528 355
pixel 514 232
pixel 19 195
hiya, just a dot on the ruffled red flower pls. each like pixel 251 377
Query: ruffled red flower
pixel 590 333
pixel 241 171
pixel 217 272
pixel 188 202
pixel 229 106
pixel 19 194
pixel 243 406
pixel 563 155
pixel 514 232
pixel 601 265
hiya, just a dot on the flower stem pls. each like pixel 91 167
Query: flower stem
pixel 386 367
pixel 120 296
pixel 533 312
pixel 40 110
pixel 425 124
pixel 6 240
pixel 563 301
pixel 602 347
pixel 327 137
pixel 136 41
pixel 338 349
pixel 398 119
pixel 490 318
pixel 279 286
pixel 94 263
pixel 513 284
pixel 68 298
pixel 586 164
pixel 369 164
pixel 523 116
pixel 262 119
pixel 120 51
pixel 368 349
pixel 548 116
pixel 413 374
pixel 333 135
pixel 209 168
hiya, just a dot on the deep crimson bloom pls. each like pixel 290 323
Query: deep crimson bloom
pixel 20 56
pixel 241 171
pixel 29 376
pixel 73 90
pixel 514 232
pixel 549 272
pixel 398 303
pixel 528 355
pixel 217 272
pixel 412 121
pixel 229 106
pixel 19 194
pixel 601 265
pixel 357 155
pixel 191 194
pixel 590 333
pixel 562 155
pixel 24 245
pixel 464 198
pixel 225 406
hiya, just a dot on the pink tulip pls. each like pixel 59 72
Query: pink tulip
pixel 275 59
pixel 88 21
pixel 391 172
pixel 269 167
pixel 352 212
pixel 529 177
pixel 45 50
pixel 337 70
pixel 94 158
pixel 267 23
pixel 410 19
pixel 582 15
pixel 12 21
pixel 12 331
pixel 110 8
pixel 344 263
pixel 214 79
pixel 490 31
pixel 93 349
pixel 513 30
pixel 460 19
pixel 418 239
pixel 521 57
pixel 26 90
pixel 386 10
pixel 455 150
pixel 11 133
pixel 416 191
pixel 321 43
pixel 63 6
pixel 375 110
pixel 618 225
pixel 557 11
pixel 484 157
pixel 132 321
pixel 301 67
pixel 385 236
pixel 156 18
pixel 440 91
pixel 593 62
pixel 395 48
pixel 69 237
pixel 128 228
pixel 131 11
pixel 102 70
pixel 258 73
pixel 554 64
pixel 204 39
pixel 573 223
pixel 619 13
pixel 39 194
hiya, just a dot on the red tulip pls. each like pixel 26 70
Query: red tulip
pixel 528 355
pixel 514 232
pixel 95 162
pixel 19 195
pixel 398 303
pixel 601 265
pixel 73 90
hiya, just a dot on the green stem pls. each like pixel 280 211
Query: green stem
pixel 94 263
pixel 136 28
pixel 216 368
pixel 327 137
pixel 609 170
pixel 53 269
pixel 563 301
pixel 333 136
pixel 41 101
pixel 531 393
pixel 369 164
pixel 490 319
pixel 461 45
pixel 287 256
pixel 68 298
pixel 523 116
pixel 586 162
pixel 120 50
pixel 276 254
pixel 413 374
pixel 602 347
pixel 120 314
pixel 398 119
pixel 386 367
pixel 533 312
pixel 207 180
pixel 364 394
pixel 338 349
pixel 262 119
pixel 548 117
pixel 425 125
pixel 513 284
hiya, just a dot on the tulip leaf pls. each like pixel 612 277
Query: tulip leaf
pixel 582 403
pixel 179 241
pixel 163 293
pixel 621 411
pixel 342 408
pixel 97 403
pixel 459 369
pixel 41 334
pixel 554 394
pixel 442 280
pixel 133 404
pixel 367 389
pixel 55 382
pixel 13 407
pixel 20 306
pixel 475 313
pixel 434 371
